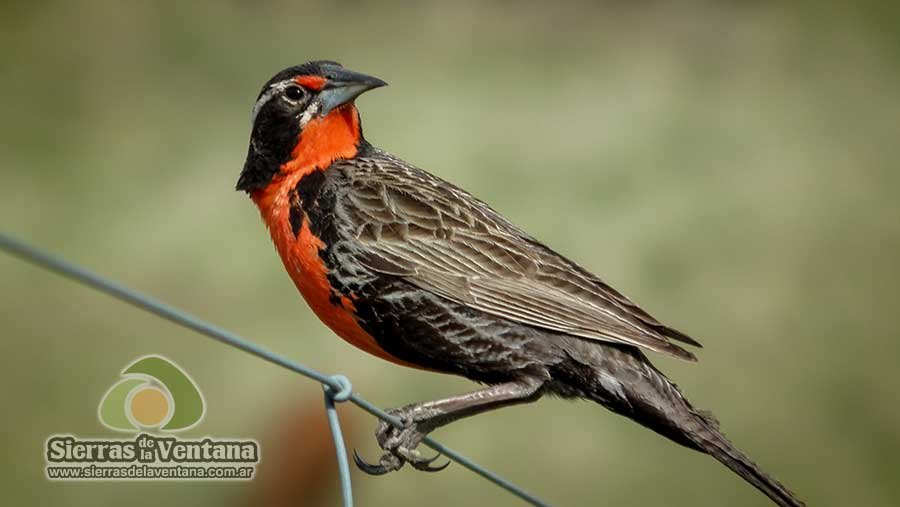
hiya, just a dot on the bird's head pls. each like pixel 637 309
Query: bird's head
pixel 303 118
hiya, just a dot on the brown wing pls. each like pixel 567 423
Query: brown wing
pixel 438 237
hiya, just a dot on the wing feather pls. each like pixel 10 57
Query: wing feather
pixel 438 237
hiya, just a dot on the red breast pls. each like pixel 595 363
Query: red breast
pixel 323 141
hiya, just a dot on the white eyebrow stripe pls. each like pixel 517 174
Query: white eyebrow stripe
pixel 273 90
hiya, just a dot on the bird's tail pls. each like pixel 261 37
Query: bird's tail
pixel 716 445
pixel 625 382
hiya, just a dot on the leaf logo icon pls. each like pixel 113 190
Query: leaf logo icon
pixel 153 393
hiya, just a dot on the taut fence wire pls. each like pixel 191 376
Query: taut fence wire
pixel 337 387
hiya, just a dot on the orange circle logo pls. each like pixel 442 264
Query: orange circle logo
pixel 149 407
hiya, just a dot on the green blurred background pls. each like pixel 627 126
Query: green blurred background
pixel 732 167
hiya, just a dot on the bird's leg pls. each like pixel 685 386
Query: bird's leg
pixel 420 419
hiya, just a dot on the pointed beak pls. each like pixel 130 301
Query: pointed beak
pixel 343 85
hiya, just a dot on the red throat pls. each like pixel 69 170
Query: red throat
pixel 324 140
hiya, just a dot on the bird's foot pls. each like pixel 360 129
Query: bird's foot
pixel 400 445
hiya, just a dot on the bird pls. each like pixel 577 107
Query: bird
pixel 417 271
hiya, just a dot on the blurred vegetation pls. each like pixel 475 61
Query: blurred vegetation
pixel 732 167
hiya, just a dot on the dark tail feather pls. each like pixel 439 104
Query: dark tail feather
pixel 712 442
pixel 624 381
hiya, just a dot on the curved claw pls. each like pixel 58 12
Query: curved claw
pixel 369 468
pixel 428 461
pixel 419 463
pixel 425 466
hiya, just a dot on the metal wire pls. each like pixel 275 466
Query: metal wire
pixel 337 387
pixel 343 468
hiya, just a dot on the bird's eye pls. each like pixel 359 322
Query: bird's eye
pixel 293 93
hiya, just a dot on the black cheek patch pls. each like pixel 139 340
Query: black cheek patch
pixel 275 133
